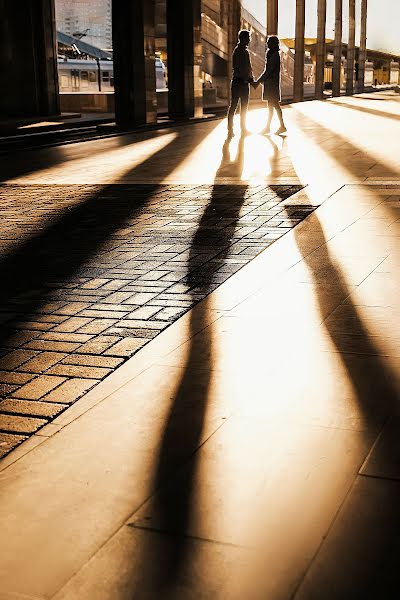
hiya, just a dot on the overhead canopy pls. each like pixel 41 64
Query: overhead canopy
pixel 311 42
pixel 83 47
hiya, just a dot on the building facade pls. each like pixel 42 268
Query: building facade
pixel 89 19
pixel 219 36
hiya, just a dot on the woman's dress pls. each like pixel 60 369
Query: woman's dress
pixel 271 78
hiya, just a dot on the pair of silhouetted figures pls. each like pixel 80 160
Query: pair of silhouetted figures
pixel 243 78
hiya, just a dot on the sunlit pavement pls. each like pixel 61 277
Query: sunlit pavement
pixel 250 450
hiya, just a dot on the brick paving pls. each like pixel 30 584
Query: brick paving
pixel 91 274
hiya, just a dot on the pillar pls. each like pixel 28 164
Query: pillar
pixel 184 50
pixel 320 50
pixel 363 47
pixel 272 17
pixel 134 62
pixel 298 91
pixel 337 58
pixel 351 48
pixel 233 25
pixel 28 50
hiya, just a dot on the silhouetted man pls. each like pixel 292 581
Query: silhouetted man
pixel 242 77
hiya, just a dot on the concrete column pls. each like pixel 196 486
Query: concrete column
pixel 28 50
pixel 298 90
pixel 233 25
pixel 225 7
pixel 320 50
pixel 272 17
pixel 351 48
pixel 184 49
pixel 337 59
pixel 134 62
pixel 363 47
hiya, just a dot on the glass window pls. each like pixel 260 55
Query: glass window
pixel 84 79
pixel 92 76
pixel 64 81
pixel 75 78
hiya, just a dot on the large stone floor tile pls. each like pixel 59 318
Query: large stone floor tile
pixel 359 558
pixel 361 344
pixel 150 566
pixel 391 264
pixel 376 321
pixel 384 459
pixel 291 361
pixel 307 302
pixel 71 493
pixel 328 389
pixel 319 267
pixel 379 289
pixel 359 243
pixel 224 346
pixel 274 487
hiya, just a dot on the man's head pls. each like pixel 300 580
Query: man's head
pixel 244 37
pixel 273 43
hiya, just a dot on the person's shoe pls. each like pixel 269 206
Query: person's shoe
pixel 281 130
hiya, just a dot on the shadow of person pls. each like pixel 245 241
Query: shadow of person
pixel 277 143
pixel 173 508
pixel 377 399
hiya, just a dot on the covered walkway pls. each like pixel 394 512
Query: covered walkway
pixel 233 310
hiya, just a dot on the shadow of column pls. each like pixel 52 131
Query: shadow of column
pixel 347 148
pixel 364 109
pixel 61 248
pixel 371 384
pixel 377 397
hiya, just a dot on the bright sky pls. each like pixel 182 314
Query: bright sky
pixel 383 20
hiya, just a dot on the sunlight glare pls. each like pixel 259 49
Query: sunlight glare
pixel 108 166
pixel 201 165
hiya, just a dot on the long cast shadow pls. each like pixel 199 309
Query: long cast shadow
pixel 347 147
pixel 377 397
pixel 19 163
pixel 364 109
pixel 378 95
pixel 62 248
pixel 342 567
pixel 184 427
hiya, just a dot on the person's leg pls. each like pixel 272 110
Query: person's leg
pixel 278 109
pixel 279 114
pixel 233 105
pixel 267 128
pixel 244 106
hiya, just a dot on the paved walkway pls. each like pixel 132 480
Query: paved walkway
pixel 249 449
pixel 93 274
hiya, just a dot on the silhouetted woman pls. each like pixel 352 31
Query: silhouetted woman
pixel 271 80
